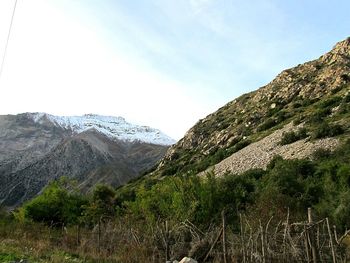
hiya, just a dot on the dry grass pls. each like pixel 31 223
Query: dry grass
pixel 39 243
pixel 132 243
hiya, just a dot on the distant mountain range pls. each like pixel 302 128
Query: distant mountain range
pixel 36 148
pixel 113 127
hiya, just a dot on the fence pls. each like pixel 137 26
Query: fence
pixel 307 241
pixel 283 241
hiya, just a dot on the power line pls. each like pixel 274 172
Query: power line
pixel 8 38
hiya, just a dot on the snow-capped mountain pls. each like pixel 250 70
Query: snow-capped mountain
pixel 36 148
pixel 113 127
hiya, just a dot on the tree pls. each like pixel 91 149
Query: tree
pixel 56 205
pixel 102 205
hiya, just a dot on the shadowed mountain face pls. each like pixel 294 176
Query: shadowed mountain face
pixel 36 150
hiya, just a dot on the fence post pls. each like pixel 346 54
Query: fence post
pixel 213 245
pixel 312 236
pixel 331 241
pixel 306 243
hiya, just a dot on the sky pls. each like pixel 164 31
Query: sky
pixel 161 63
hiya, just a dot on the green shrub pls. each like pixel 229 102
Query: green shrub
pixel 282 115
pixel 319 115
pixel 290 137
pixel 344 108
pixel 327 130
pixel 102 206
pixel 345 77
pixel 240 145
pixel 347 98
pixel 331 102
pixel 321 154
pixel 307 102
pixel 56 205
pixel 297 104
pixel 269 123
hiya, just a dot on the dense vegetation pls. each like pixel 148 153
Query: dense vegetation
pixel 322 183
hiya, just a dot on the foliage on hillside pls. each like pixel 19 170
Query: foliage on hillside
pixel 322 183
pixel 313 93
pixel 328 116
pixel 286 185
pixel 56 205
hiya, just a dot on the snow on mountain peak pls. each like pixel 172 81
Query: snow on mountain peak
pixel 113 127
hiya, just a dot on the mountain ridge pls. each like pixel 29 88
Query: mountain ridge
pixel 114 127
pixel 35 149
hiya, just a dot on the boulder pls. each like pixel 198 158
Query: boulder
pixel 188 260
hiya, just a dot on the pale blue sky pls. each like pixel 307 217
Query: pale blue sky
pixel 161 63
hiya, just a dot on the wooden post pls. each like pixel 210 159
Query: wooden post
pixel 224 236
pixel 306 243
pixel 242 239
pixel 312 237
pixel 331 241
pixel 213 245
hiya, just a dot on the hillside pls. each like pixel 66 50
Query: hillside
pixel 36 148
pixel 314 95
pixel 265 178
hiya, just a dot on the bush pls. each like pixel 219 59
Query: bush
pixel 331 102
pixel 319 115
pixel 269 123
pixel 327 130
pixel 282 115
pixel 347 98
pixel 56 205
pixel 345 77
pixel 102 206
pixel 321 154
pixel 240 145
pixel 290 137
pixel 297 104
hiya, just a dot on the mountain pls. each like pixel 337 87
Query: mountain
pixel 303 109
pixel 36 148
pixel 113 127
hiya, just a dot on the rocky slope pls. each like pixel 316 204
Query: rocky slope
pixel 260 153
pixel 36 148
pixel 241 133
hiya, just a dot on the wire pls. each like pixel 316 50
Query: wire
pixel 8 38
